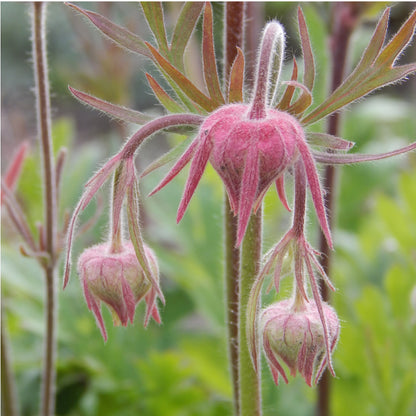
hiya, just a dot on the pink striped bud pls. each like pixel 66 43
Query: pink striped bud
pixel 117 279
pixel 295 335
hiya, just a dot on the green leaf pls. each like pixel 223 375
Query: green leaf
pixel 153 12
pixel 164 98
pixel 308 60
pixel 183 82
pixel 208 54
pixel 184 28
pixel 374 70
pixel 119 112
pixel 118 34
pixel 235 92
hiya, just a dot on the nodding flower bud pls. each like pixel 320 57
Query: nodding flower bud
pixel 118 280
pixel 295 335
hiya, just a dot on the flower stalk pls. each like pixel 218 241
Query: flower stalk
pixel 50 209
pixel 234 37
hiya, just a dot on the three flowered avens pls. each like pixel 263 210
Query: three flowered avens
pixel 252 145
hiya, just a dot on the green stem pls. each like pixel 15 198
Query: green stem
pixel 250 381
pixel 49 195
pixel 234 36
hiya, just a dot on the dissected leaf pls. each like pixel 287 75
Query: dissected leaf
pixel 374 70
pixel 153 12
pixel 164 98
pixel 119 112
pixel 185 25
pixel 235 91
pixel 183 82
pixel 208 54
pixel 308 60
pixel 116 33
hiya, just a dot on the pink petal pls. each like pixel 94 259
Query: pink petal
pixel 275 367
pixel 179 165
pixel 315 188
pixel 129 300
pixel 197 169
pixel 248 191
pixel 280 187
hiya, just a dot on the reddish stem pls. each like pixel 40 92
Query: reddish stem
pixel 234 37
pixel 344 20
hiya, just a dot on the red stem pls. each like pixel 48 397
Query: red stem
pixel 234 37
pixel 344 20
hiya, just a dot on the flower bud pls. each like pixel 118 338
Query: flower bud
pixel 250 154
pixel 296 336
pixel 117 279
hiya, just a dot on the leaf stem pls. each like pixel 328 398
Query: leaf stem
pixel 49 186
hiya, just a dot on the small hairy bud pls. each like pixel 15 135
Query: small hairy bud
pixel 295 335
pixel 117 279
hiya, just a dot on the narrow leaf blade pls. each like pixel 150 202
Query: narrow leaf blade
pixel 116 33
pixel 208 53
pixel 164 98
pixel 119 112
pixel 153 12
pixel 235 91
pixel 308 60
pixel 184 28
pixel 183 82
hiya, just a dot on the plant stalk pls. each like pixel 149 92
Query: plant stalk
pixel 343 23
pixel 234 36
pixel 49 195
pixel 250 380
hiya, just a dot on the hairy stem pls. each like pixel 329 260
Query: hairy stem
pixel 250 380
pixel 49 195
pixel 234 37
pixel 153 126
pixel 344 20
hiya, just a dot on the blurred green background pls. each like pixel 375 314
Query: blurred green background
pixel 180 368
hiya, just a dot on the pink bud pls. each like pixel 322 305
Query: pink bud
pixel 116 279
pixel 249 154
pixel 294 334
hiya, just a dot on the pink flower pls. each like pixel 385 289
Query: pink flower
pixel 293 333
pixel 117 279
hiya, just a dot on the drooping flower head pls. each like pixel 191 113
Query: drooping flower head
pixel 118 280
pixel 251 145
pixel 293 333
pixel 119 273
